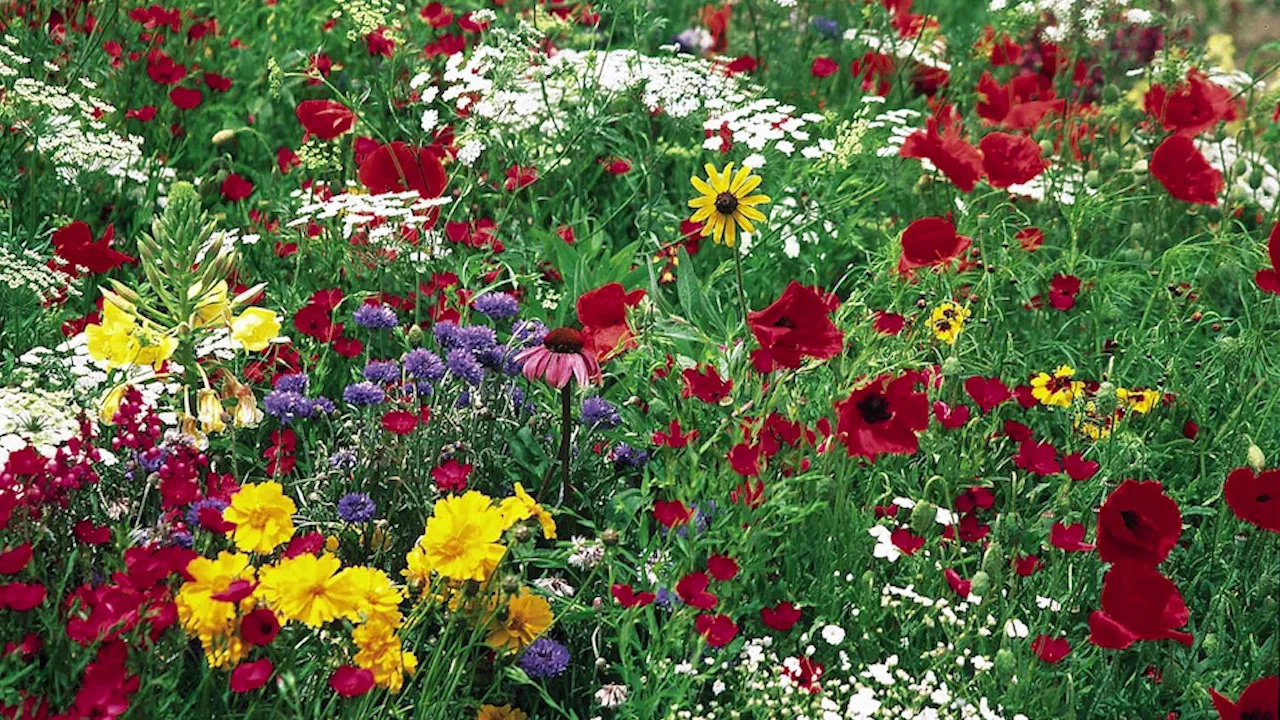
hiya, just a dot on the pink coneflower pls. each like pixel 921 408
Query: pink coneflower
pixel 559 358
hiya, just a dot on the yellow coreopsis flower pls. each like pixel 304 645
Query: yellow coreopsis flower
pixel 726 203
pixel 308 589
pixel 382 654
pixel 1139 400
pixel 255 328
pixel 522 506
pixel 505 712
pixel 461 541
pixel 377 600
pixel 527 617
pixel 1058 389
pixel 263 516
pixel 948 321
pixel 198 612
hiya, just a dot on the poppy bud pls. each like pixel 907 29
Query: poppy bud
pixel 980 584
pixel 1240 166
pixel 609 537
pixel 1005 663
pixel 414 334
pixel 1237 195
pixel 1046 147
pixel 523 533
pixel 1255 458
pixel 1093 178
pixel 993 561
pixel 1255 178
pixel 952 366
pixel 1110 162
pixel 224 136
pixel 923 518
pixel 1110 93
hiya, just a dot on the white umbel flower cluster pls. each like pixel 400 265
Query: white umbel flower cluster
pixel 43 419
pixel 26 269
pixel 766 124
pixel 381 218
pixel 1076 18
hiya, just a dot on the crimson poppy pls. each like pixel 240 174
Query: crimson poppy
pixel 451 475
pixel 1050 649
pixel 888 323
pixel 1063 290
pixel 400 422
pixel 931 242
pixel 1010 159
pixel 1259 701
pixel 1138 523
pixel 1069 538
pixel 1138 603
pixel 1268 279
pixel 722 567
pixel 906 541
pixel 1255 499
pixel 235 591
pixel 351 681
pixel 249 676
pixel 325 119
pixel 947 150
pixel 603 314
pixel 15 559
pixel 747 493
pixel 74 244
pixel 706 385
pixel 961 586
pixel 883 417
pixel 744 459
pixel 1040 458
pixel 1021 103
pixel 1191 108
pixel 519 177
pixel 1078 468
pixel 259 627
pixel 949 417
pixel 236 188
pixel 186 98
pixel 1027 565
pixel 1183 171
pixel 397 167
pixel 719 630
pixel 627 597
pixel 692 589
pixel 781 617
pixel 987 393
pixel 309 544
pixel 823 67
pixel 1030 238
pixel 795 326
pixel 670 513
pixel 674 437
pixel 21 597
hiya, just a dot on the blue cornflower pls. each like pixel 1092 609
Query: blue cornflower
pixel 596 411
pixel 528 333
pixel 626 457
pixel 463 364
pixel 193 512
pixel 363 393
pixel 287 405
pixel 497 305
pixel 827 26
pixel 376 317
pixel 382 371
pixel 544 658
pixel 476 338
pixel 294 382
pixel 422 364
pixel 356 508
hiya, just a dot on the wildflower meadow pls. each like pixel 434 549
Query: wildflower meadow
pixel 640 359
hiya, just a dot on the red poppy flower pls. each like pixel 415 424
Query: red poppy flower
pixel 1051 649
pixel 719 630
pixel 235 591
pixel 1078 468
pixel 1138 603
pixel 259 627
pixel 436 15
pixel 1010 159
pixel 1040 458
pixel 75 245
pixel 163 70
pixel 883 417
pixel 603 314
pixel 400 422
pixel 876 70
pixel 1255 499
pixel 325 119
pixel 906 541
pixel 211 519
pixel 744 459
pixel 1069 538
pixel 674 437
pixel 1026 565
pixel 1063 290
pixel 794 327
pixel 931 242
pixel 748 493
pixel 249 676
pixel 692 589
pixel 1030 238
pixel 216 82
pixel 1259 701
pixel 722 567
pixel 961 586
pixel 949 417
pixel 706 385
pixel 948 151
pixel 21 597
pixel 888 323
pixel 627 597
pixel 186 98
pixel 1020 104
pixel 236 188
pixel 397 167
pixel 519 176
pixel 823 67
pixel 451 475
pixel 1183 171
pixel 1190 109
pixel 351 681
pixel 670 513
pixel 1138 523
pixel 1268 279
pixel 308 544
pixel 987 393
pixel 781 617
pixel 146 113
pixel 286 160
pixel 15 559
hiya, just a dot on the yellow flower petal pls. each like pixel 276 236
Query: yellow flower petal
pixel 703 214
pixel 743 173
pixel 702 186
pixel 754 200
pixel 751 183
pixel 751 212
pixel 744 223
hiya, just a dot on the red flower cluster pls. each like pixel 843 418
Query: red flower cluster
pixel 883 417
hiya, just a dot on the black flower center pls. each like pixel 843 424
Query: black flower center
pixel 1264 497
pixel 563 340
pixel 726 203
pixel 1130 519
pixel 874 409
pixel 785 322
pixel 1258 715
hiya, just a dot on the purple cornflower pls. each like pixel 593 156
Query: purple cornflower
pixel 294 382
pixel 626 457
pixel 497 305
pixel 446 333
pixel 544 658
pixel 182 539
pixel 528 333
pixel 494 358
pixel 597 411
pixel 193 512
pixel 382 371
pixel 463 364
pixel 343 459
pixel 476 338
pixel 827 26
pixel 422 364
pixel 321 404
pixel 287 405
pixel 356 508
pixel 363 393
pixel 667 599
pixel 376 317
pixel 152 459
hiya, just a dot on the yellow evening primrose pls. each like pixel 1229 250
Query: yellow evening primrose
pixel 1057 389
pixel 209 411
pixel 726 203
pixel 212 309
pixel 263 516
pixel 461 540
pixel 527 617
pixel 522 506
pixel 255 328
pixel 948 320
pixel 308 589
pixel 120 341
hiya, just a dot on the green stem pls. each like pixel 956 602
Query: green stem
pixel 742 293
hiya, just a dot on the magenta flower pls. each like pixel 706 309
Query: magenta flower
pixel 559 358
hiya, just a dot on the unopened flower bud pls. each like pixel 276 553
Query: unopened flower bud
pixel 224 136
pixel 1005 663
pixel 523 533
pixel 1255 458
pixel 414 334
pixel 952 366
pixel 924 517
pixel 980 584
pixel 993 561
pixel 610 537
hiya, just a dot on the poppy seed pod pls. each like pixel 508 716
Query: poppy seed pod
pixel 923 518
pixel 980 584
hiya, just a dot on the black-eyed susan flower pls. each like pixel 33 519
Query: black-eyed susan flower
pixel 726 202
pixel 947 321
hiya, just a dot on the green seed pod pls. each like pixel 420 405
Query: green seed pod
pixel 1005 663
pixel 1255 458
pixel 414 334
pixel 1093 179
pixel 1110 162
pixel 1255 178
pixel 224 136
pixel 981 584
pixel 924 518
pixel 1237 195
pixel 952 366
pixel 1046 147
pixel 1240 166
pixel 993 562
pixel 1111 94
